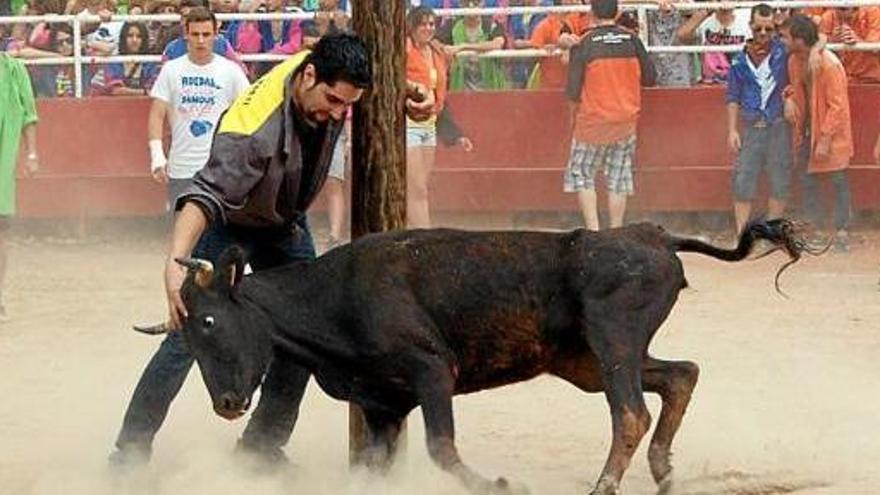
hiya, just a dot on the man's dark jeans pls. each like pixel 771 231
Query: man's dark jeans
pixel 272 422
pixel 812 197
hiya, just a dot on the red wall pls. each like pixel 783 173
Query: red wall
pixel 95 162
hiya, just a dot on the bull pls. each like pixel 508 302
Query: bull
pixel 411 318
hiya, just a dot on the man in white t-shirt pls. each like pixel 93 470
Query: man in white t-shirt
pixel 718 27
pixel 100 39
pixel 191 92
pixel 725 27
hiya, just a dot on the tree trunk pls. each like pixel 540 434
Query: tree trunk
pixel 378 189
pixel 378 130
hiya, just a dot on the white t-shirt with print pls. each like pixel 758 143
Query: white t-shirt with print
pixel 711 32
pixel 196 96
pixel 107 32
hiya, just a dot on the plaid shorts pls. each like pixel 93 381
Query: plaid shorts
pixel 615 159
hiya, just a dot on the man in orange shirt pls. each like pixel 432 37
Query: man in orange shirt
pixel 852 25
pixel 818 105
pixel 605 75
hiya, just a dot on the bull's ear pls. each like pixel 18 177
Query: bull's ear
pixel 231 265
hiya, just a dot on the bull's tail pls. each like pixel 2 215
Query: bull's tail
pixel 782 234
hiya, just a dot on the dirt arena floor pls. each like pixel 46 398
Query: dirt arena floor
pixel 787 400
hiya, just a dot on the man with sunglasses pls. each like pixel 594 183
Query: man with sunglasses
pixel 270 156
pixel 755 104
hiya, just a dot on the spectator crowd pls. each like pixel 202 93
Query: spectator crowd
pixel 555 32
pixel 768 113
pixel 108 37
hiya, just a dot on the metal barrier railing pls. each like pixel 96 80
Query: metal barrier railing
pixel 78 58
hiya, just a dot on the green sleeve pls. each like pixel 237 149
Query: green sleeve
pixel 26 95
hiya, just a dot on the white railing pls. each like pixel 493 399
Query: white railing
pixel 78 59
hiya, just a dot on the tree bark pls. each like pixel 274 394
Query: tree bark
pixel 378 188
pixel 378 130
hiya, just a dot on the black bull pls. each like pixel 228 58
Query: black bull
pixel 406 319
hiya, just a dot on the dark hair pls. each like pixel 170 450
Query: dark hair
pixel 341 56
pixel 416 15
pixel 56 28
pixel 154 6
pixel 762 9
pixel 198 14
pixel 123 35
pixel 604 9
pixel 803 28
pixel 49 6
pixel 193 4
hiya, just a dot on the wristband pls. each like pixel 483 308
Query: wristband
pixel 157 155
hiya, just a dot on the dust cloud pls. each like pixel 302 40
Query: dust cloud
pixel 786 403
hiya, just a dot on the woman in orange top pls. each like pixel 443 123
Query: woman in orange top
pixel 427 63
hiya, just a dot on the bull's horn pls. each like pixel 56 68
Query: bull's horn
pixel 157 329
pixel 204 269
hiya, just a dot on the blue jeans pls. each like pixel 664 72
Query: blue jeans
pixel 812 192
pixel 272 422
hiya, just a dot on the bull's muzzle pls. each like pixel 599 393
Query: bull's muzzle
pixel 230 406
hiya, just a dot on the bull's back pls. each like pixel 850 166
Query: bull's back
pixel 503 303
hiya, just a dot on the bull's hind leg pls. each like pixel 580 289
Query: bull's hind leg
pixel 435 390
pixel 620 365
pixel 674 381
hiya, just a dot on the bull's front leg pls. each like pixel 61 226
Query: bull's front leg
pixel 435 391
pixel 382 439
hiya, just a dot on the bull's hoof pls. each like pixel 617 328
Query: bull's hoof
pixel 259 460
pixel 606 486
pixel 502 486
pixel 605 491
pixel 664 486
pixel 129 458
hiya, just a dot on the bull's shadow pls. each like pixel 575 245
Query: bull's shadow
pixel 405 319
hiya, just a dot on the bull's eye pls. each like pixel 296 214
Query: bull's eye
pixel 208 322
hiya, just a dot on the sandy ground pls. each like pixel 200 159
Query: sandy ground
pixel 787 400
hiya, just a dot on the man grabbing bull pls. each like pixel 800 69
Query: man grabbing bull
pixel 269 159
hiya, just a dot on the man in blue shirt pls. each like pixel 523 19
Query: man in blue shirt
pixel 755 87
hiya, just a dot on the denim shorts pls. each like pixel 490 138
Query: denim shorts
pixel 767 148
pixel 615 159
pixel 176 187
pixel 417 135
